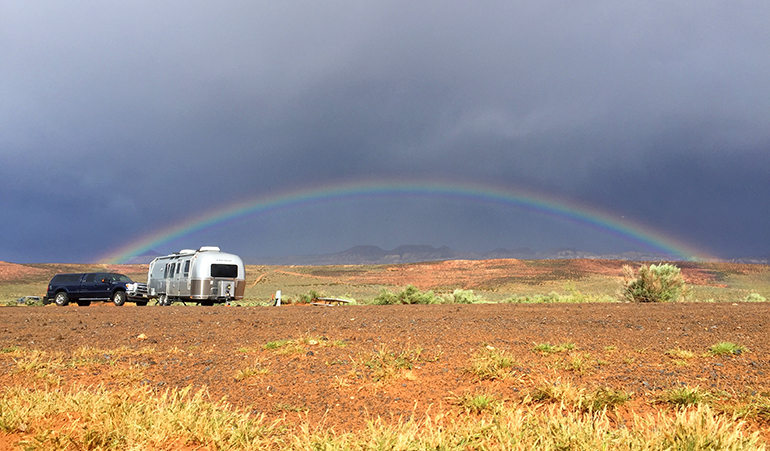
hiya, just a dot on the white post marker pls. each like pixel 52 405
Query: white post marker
pixel 278 298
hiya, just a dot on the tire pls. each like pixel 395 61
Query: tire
pixel 119 298
pixel 83 303
pixel 61 299
pixel 164 300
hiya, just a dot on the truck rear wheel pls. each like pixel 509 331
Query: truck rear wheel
pixel 61 299
pixel 119 298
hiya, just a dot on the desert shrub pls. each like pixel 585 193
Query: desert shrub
pixel 410 295
pixel 656 283
pixel 460 296
pixel 309 297
pixel 754 297
pixel 554 297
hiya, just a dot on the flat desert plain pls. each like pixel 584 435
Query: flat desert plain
pixel 342 366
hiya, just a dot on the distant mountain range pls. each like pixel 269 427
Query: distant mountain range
pixel 413 253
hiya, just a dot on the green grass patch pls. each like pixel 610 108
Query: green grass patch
pixel 684 396
pixel 547 348
pixel 476 403
pixel 260 367
pixel 301 345
pixel 726 348
pixel 385 364
pixel 605 398
pixel 599 399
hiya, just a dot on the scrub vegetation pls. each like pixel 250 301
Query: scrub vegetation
pixel 654 283
pixel 462 282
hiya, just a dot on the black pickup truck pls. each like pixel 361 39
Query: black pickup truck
pixel 86 287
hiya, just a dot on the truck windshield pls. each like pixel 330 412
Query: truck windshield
pixel 220 270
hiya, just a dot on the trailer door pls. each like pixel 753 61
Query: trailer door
pixel 170 285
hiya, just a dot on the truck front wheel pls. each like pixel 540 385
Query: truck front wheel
pixel 61 299
pixel 119 298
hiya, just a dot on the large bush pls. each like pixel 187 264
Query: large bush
pixel 656 283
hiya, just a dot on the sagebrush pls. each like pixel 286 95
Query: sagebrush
pixel 654 283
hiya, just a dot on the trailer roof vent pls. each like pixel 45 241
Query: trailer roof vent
pixel 209 248
pixel 187 251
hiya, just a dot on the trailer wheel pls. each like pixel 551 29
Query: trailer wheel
pixel 61 299
pixel 164 300
pixel 119 298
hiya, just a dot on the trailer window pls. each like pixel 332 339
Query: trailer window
pixel 186 268
pixel 220 270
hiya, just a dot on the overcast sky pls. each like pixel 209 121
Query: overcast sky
pixel 119 119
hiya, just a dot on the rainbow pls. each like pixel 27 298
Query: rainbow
pixel 523 200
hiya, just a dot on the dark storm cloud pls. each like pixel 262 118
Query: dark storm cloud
pixel 120 119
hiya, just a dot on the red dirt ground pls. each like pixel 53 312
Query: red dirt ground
pixel 622 346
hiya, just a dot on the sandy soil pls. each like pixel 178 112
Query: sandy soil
pixel 325 379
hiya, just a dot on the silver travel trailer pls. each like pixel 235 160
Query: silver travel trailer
pixel 206 276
